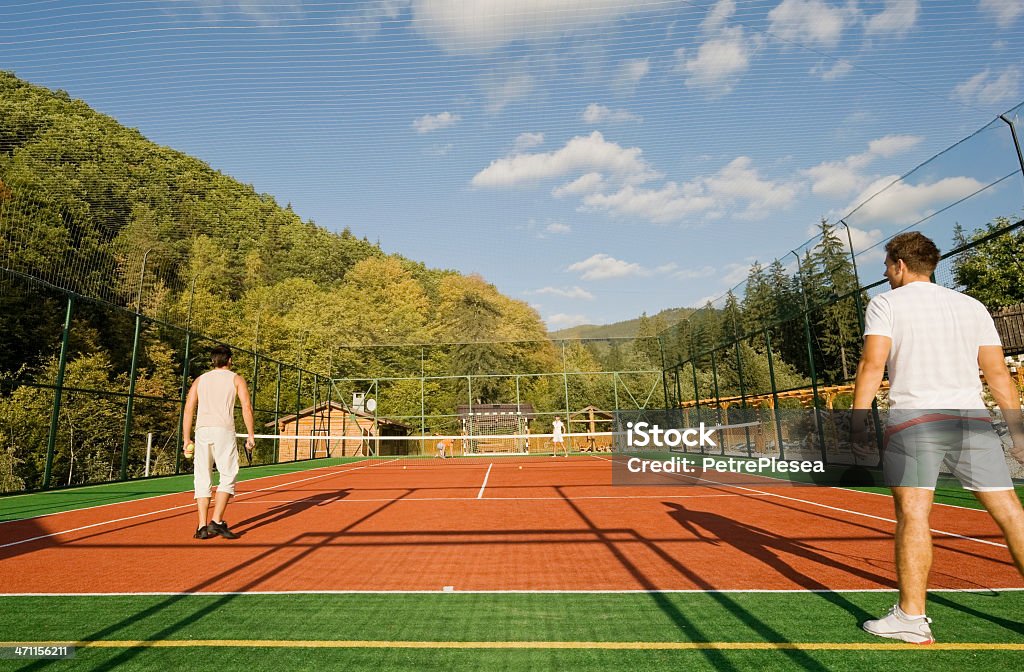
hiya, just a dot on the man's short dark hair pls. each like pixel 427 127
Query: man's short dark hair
pixel 916 250
pixel 220 356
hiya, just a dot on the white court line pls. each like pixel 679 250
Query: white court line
pixel 408 500
pixel 850 511
pixel 480 495
pixel 837 508
pixel 173 508
pixel 596 591
pixel 143 499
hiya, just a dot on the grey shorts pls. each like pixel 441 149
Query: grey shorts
pixel 918 444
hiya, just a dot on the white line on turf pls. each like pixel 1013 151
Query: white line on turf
pixel 174 508
pixel 480 495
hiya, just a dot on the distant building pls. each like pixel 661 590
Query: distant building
pixel 335 419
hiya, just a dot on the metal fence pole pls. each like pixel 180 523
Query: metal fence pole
pixel 186 369
pixel 133 375
pixel 51 439
pixel 775 393
pixel 277 417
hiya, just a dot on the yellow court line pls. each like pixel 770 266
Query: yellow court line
pixel 383 644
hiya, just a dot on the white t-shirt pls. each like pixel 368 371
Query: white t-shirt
pixel 556 431
pixel 936 333
pixel 217 394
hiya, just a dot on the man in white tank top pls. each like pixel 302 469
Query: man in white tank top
pixel 214 394
pixel 933 341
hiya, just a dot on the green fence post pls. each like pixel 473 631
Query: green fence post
pixel 277 417
pixel 131 398
pixel 775 393
pixel 186 369
pixel 298 411
pixel 51 439
pixel 664 379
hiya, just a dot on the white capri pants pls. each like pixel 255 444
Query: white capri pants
pixel 215 445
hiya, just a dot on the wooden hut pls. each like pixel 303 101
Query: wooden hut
pixel 332 419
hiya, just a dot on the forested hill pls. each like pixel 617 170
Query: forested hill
pixel 639 326
pixel 82 200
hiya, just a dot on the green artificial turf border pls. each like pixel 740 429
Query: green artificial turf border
pixel 533 617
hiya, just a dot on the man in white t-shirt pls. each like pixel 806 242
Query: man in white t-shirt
pixel 933 341
pixel 557 440
pixel 214 394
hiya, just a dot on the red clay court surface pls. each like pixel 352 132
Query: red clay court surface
pixel 556 524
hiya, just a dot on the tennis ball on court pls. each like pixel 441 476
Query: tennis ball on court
pixel 520 466
pixel 403 467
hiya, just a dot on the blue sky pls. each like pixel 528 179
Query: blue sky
pixel 596 158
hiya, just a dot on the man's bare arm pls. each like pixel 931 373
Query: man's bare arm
pixel 191 401
pixel 242 389
pixel 1005 392
pixel 870 372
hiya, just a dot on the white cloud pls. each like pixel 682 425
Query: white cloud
pixel 733 274
pixel 987 88
pixel 1005 12
pixel 528 140
pixel 719 14
pixel 842 178
pixel 564 321
pixel 366 20
pixel 558 227
pixel 738 187
pixel 574 292
pixel 812 22
pixel 590 153
pixel 863 239
pixel 264 12
pixel 584 184
pixel 669 203
pixel 596 114
pixel 629 75
pixel 839 69
pixel 484 25
pixel 898 17
pixel 602 267
pixel 893 145
pixel 718 62
pixel 903 203
pixel 503 92
pixel 435 122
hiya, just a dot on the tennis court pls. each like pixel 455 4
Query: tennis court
pixel 413 562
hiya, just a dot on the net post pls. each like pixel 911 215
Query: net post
pixel 58 389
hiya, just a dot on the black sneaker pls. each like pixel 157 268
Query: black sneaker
pixel 221 529
pixel 202 533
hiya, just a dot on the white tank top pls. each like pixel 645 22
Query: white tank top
pixel 216 399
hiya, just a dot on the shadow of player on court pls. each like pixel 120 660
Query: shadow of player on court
pixel 287 509
pixel 771 550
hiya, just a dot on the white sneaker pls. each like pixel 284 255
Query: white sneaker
pixel 897 625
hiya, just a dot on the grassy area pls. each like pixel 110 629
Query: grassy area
pixel 16 507
pixel 805 618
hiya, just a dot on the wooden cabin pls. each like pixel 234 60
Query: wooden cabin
pixel 332 419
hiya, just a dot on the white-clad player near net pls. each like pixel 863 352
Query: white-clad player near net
pixel 556 437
